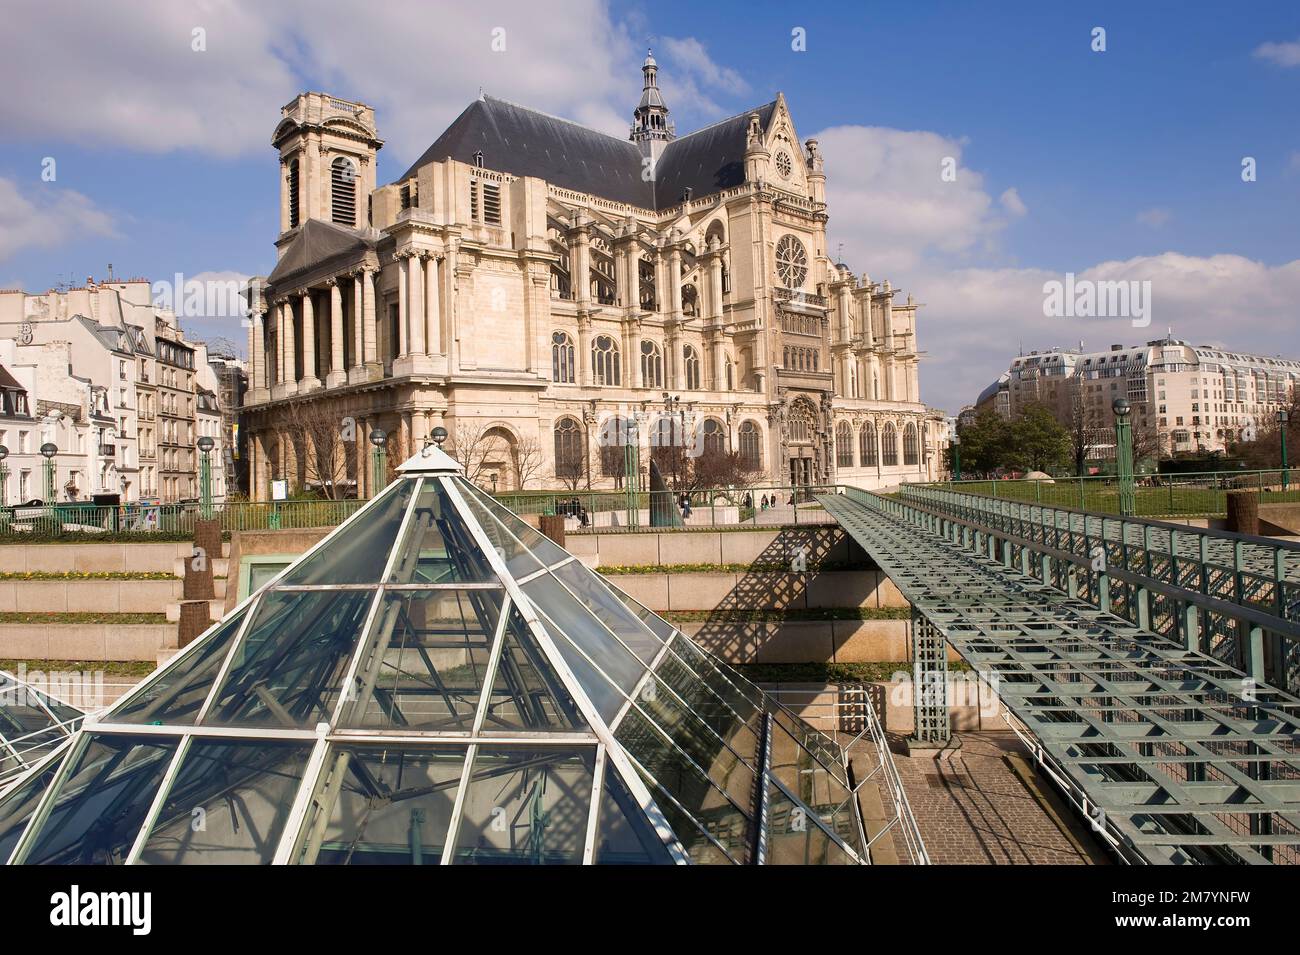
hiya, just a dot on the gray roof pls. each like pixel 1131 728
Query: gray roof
pixel 524 142
pixel 316 242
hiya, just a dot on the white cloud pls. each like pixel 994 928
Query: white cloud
pixel 129 76
pixel 890 205
pixel 1282 54
pixel 690 77
pixel 46 215
pixel 1154 217
pixel 976 318
pixel 1012 202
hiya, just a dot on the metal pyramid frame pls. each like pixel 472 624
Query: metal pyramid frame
pixel 32 724
pixel 436 682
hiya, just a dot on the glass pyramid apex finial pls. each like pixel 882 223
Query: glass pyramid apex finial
pixel 432 667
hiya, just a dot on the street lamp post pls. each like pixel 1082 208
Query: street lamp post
pixel 1124 455
pixel 4 476
pixel 1283 416
pixel 955 441
pixel 205 475
pixel 378 460
pixel 48 451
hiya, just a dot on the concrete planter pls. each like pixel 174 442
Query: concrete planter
pixel 89 641
pixel 88 596
pixel 120 558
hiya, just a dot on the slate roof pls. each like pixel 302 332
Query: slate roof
pixel 524 142
pixel 316 242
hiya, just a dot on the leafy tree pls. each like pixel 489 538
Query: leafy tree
pixel 1038 441
pixel 985 444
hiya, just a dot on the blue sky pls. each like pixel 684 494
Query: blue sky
pixel 1068 159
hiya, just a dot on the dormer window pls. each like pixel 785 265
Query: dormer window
pixel 478 159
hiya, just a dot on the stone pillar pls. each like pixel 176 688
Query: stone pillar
pixel 415 304
pixel 719 359
pixel 402 348
pixel 675 278
pixel 358 324
pixel 361 451
pixel 580 259
pixel 290 348
pixel 337 374
pixel 584 348
pixel 309 379
pixel 370 329
pixel 284 194
pixel 257 348
pixel 433 293
pixel 279 363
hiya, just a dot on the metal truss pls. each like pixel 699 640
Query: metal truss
pixel 1154 567
pixel 1174 755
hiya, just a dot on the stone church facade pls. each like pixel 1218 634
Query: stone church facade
pixel 528 281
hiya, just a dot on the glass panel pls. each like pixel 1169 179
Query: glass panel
pixel 600 600
pixel 702 800
pixel 598 689
pixel 176 695
pixel 526 807
pixel 519 560
pixel 228 804
pixel 815 787
pixel 706 705
pixel 393 806
pixel 21 710
pixel 657 624
pixel 102 804
pixel 794 839
pixel 725 680
pixel 17 806
pixel 624 835
pixel 437 547
pixel 290 666
pixel 526 691
pixel 685 729
pixel 578 624
pixel 823 748
pixel 543 548
pixel 358 554
pixel 699 848
pixel 426 660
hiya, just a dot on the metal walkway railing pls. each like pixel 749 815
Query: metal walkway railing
pixel 1174 755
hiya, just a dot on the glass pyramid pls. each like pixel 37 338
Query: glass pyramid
pixel 32 723
pixel 437 683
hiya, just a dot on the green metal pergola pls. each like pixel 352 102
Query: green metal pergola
pixel 1174 755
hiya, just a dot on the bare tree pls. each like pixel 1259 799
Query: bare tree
pixel 326 444
pixel 528 460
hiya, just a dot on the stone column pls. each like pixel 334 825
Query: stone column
pixel 290 348
pixel 337 374
pixel 415 303
pixel 371 331
pixel 284 194
pixel 402 306
pixel 580 258
pixel 584 348
pixel 433 292
pixel 309 379
pixel 280 322
pixel 358 324
pixel 256 344
pixel 675 278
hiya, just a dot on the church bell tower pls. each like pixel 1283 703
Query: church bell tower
pixel 651 127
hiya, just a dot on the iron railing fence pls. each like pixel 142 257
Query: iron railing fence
pixel 48 522
pixel 1155 495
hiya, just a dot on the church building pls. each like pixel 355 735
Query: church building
pixel 545 291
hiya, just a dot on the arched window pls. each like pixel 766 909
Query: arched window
pixel 293 193
pixel 604 361
pixel 816 359
pixel 868 450
pixel 715 437
pixel 568 450
pixel 750 440
pixel 343 192
pixel 889 445
pixel 691 359
pixel 561 358
pixel 785 357
pixel 652 365
pixel 843 445
pixel 802 418
pixel 911 445
pixel 731 375
pixel 690 300
pixel 616 434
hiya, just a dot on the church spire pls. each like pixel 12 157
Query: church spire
pixel 650 122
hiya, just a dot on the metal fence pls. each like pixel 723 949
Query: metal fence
pixel 1156 495
pixel 74 520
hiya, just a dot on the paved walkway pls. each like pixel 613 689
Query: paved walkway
pixel 972 808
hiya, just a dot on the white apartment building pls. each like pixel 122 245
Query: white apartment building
pixel 133 431
pixel 1186 399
